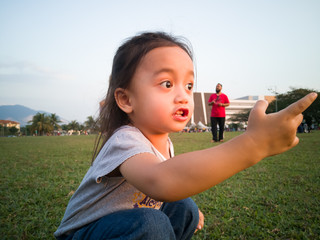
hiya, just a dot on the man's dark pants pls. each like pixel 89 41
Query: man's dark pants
pixel 214 122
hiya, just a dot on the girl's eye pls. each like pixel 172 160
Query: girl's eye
pixel 189 86
pixel 166 84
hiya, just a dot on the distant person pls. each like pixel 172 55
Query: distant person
pixel 300 128
pixel 219 101
pixel 135 187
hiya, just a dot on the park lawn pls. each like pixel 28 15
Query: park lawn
pixel 279 198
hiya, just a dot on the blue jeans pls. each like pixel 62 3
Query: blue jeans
pixel 175 220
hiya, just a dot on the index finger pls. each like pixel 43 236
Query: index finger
pixel 299 106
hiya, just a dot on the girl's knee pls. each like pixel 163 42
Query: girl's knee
pixel 185 209
pixel 151 217
pixel 190 207
pixel 155 224
pixel 184 217
pixel 190 204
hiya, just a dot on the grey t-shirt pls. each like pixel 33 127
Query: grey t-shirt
pixel 99 195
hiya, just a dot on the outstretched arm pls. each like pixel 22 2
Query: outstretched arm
pixel 191 173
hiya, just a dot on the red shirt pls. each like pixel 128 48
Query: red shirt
pixel 218 111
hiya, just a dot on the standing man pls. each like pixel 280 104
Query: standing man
pixel 219 102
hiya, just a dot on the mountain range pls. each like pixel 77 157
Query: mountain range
pixel 21 114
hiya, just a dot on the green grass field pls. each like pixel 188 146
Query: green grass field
pixel 279 198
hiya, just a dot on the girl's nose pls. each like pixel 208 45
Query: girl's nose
pixel 181 96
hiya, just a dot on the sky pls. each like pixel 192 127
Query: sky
pixel 56 56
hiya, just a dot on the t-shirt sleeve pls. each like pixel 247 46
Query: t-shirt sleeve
pixel 123 145
pixel 226 99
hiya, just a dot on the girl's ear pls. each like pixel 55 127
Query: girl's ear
pixel 123 100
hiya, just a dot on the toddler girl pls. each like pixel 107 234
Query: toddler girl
pixel 136 188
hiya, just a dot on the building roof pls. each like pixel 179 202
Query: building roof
pixel 8 121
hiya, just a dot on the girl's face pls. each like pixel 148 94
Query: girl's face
pixel 161 91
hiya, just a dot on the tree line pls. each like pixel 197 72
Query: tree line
pixel 43 124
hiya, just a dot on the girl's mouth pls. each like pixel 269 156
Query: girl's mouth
pixel 181 114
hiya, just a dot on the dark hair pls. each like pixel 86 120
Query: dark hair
pixel 125 63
